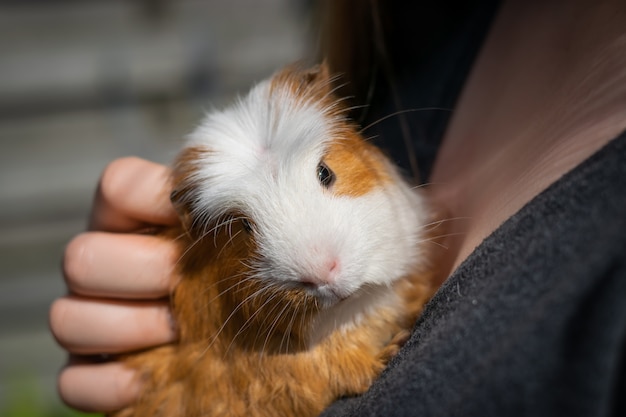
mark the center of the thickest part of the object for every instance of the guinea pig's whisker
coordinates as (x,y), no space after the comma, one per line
(399,112)
(221,222)
(250,319)
(304,319)
(220,281)
(217,224)
(228,242)
(370,138)
(337,87)
(441,245)
(268,314)
(337,100)
(248,265)
(287,332)
(203,223)
(356,107)
(261,332)
(209,287)
(179,237)
(433,239)
(187,250)
(334,105)
(225,323)
(203,235)
(301,309)
(422,185)
(435,224)
(244,327)
(273,295)
(225,291)
(273,327)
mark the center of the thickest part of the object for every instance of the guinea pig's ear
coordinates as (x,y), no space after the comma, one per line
(310,81)
(182,195)
(182,208)
(319,74)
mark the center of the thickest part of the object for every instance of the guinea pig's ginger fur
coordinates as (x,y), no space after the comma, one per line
(243,349)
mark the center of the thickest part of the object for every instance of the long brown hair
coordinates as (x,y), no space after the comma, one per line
(376,45)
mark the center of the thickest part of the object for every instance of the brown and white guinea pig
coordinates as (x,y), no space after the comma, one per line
(303,259)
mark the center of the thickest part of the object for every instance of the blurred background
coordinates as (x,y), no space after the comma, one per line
(82,83)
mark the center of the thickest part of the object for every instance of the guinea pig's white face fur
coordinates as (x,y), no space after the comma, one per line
(327,211)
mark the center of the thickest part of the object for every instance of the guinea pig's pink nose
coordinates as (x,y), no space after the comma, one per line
(325,274)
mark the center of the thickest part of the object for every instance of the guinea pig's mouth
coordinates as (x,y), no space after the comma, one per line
(326,295)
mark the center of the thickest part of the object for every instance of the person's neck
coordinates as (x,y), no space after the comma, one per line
(547,91)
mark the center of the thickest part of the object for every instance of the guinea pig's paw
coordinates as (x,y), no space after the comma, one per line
(394,345)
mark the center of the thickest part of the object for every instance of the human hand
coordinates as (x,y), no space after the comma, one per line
(118,280)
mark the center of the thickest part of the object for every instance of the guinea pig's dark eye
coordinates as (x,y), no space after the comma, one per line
(325,176)
(247,226)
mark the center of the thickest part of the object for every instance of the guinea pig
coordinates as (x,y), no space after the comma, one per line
(302,255)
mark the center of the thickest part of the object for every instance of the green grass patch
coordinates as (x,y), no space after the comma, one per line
(23,398)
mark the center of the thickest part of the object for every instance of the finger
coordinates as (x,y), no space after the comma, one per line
(100,264)
(132,192)
(90,326)
(98,387)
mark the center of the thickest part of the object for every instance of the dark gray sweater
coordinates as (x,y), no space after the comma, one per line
(533,323)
